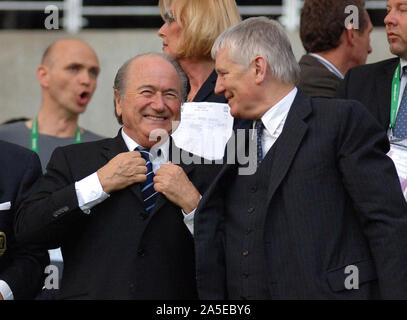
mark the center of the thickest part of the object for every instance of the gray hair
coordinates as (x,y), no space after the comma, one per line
(260,36)
(120,81)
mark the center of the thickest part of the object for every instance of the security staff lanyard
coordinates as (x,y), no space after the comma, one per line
(395,92)
(34,136)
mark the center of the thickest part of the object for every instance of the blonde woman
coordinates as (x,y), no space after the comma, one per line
(190,28)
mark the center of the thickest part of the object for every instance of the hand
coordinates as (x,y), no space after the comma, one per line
(123,170)
(172,181)
(1,296)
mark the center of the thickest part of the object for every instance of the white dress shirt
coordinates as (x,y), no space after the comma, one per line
(5,291)
(273,120)
(90,192)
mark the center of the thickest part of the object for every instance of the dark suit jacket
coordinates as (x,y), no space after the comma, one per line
(316,79)
(118,251)
(22,268)
(333,200)
(371,85)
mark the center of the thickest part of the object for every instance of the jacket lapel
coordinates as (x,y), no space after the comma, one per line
(207,88)
(383,93)
(112,149)
(289,141)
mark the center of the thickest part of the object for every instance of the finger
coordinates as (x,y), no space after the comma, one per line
(139,178)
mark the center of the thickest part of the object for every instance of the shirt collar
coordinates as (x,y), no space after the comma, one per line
(277,113)
(403,64)
(328,65)
(131,145)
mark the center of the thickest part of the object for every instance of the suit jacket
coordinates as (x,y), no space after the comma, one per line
(333,200)
(22,268)
(371,85)
(316,79)
(118,251)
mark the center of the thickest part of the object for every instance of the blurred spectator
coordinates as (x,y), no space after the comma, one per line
(332,47)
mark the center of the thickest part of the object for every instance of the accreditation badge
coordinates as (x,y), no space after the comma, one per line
(3,243)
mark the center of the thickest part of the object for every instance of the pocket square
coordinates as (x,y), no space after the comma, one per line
(5,205)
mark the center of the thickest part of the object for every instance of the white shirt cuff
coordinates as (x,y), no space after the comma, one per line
(6,291)
(189,218)
(90,192)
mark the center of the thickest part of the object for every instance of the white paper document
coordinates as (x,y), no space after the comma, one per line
(398,153)
(205,129)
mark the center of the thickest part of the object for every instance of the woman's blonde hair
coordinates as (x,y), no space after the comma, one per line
(201,21)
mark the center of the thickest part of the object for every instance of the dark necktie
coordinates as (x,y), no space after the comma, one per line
(400,127)
(259,127)
(147,187)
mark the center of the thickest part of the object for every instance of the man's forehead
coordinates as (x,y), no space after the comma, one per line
(154,73)
(69,52)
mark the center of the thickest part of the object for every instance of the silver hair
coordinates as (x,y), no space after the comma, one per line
(260,36)
(120,81)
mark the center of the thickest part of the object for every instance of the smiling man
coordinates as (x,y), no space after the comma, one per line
(117,206)
(381,86)
(324,199)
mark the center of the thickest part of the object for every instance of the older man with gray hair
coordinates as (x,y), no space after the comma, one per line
(315,220)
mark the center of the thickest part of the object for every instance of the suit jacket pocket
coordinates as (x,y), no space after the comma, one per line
(363,271)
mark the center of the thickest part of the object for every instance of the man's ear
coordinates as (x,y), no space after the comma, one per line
(260,67)
(117,102)
(43,76)
(349,35)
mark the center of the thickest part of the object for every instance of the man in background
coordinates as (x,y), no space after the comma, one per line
(68,78)
(381,86)
(332,47)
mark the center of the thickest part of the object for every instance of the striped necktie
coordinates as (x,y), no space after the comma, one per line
(400,127)
(259,127)
(147,187)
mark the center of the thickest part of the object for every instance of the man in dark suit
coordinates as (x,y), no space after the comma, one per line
(332,48)
(118,214)
(372,84)
(21,268)
(323,216)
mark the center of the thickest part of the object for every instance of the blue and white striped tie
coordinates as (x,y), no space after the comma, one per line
(147,187)
(400,127)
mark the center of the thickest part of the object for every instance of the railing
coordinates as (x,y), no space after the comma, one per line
(74,11)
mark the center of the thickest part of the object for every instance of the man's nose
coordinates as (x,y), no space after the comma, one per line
(219,88)
(389,18)
(84,77)
(158,103)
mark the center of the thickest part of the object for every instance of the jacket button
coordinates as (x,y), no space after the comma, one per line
(250,210)
(245,253)
(141,252)
(253,189)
